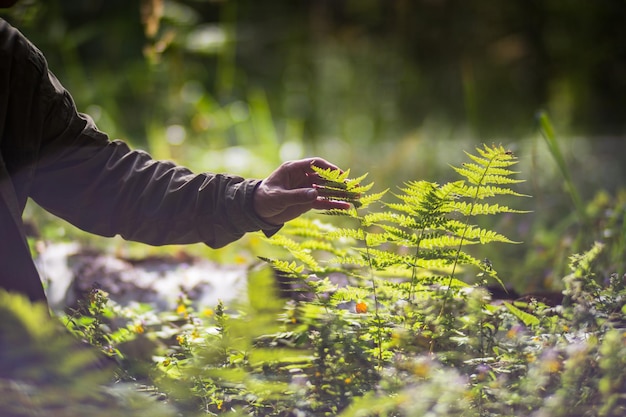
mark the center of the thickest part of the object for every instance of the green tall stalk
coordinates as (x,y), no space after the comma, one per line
(379,342)
(547,131)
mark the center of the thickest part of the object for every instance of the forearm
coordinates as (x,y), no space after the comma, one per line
(118,191)
(105,188)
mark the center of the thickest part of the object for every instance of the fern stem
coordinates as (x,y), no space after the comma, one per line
(414,268)
(461,242)
(379,342)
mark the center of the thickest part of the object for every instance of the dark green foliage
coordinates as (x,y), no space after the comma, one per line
(46,371)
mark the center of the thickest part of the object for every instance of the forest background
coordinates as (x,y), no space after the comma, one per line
(396,88)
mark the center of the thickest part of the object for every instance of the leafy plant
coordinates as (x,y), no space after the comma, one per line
(46,371)
(404,249)
(379,312)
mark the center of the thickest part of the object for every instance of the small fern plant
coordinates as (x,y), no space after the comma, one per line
(392,254)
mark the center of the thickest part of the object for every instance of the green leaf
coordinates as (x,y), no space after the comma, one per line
(526,318)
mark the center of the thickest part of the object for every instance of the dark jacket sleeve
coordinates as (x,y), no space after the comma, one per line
(105,188)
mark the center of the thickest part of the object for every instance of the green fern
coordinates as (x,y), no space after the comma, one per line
(391,251)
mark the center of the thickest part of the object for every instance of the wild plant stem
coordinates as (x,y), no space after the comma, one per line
(414,268)
(379,342)
(465,228)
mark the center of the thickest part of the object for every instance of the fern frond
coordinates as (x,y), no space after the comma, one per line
(402,208)
(355,182)
(376,239)
(493,170)
(329,174)
(499,179)
(349,293)
(338,186)
(443,241)
(351,212)
(308,223)
(350,260)
(487,191)
(303,232)
(399,236)
(485,236)
(394,290)
(471,209)
(396,272)
(419,188)
(422,198)
(290,269)
(429,259)
(368,199)
(442,281)
(495,153)
(381,259)
(360,189)
(297,250)
(317,245)
(382,216)
(480,178)
(342,232)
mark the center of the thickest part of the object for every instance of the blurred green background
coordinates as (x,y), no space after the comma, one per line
(396,88)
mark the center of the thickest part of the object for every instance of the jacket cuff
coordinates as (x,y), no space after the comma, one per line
(252,217)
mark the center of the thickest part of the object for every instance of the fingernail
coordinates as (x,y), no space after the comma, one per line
(311,194)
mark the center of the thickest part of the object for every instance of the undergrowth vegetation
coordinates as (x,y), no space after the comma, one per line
(382,310)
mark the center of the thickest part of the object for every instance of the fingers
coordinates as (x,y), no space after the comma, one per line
(305,164)
(294,188)
(312,198)
(296,197)
(321,163)
(298,173)
(325,204)
(327,190)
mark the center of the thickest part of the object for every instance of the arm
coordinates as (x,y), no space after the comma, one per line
(105,188)
(74,171)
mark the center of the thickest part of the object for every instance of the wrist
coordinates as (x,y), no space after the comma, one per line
(258,202)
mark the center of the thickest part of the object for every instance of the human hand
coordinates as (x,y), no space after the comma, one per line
(291,190)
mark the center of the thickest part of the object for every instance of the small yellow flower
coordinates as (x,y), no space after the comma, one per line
(139,329)
(207,312)
(167,362)
(181,339)
(181,309)
(347,381)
